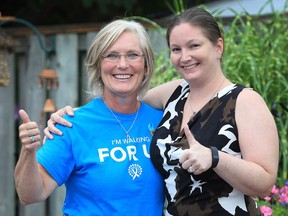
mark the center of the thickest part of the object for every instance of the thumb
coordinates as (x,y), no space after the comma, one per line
(24,116)
(189,135)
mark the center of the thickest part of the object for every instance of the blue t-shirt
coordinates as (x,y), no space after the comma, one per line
(104,172)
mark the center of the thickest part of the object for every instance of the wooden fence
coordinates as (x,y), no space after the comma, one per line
(23,91)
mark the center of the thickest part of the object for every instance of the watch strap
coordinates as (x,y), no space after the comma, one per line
(215,156)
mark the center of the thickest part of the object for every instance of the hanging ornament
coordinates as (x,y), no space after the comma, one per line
(49,107)
(49,78)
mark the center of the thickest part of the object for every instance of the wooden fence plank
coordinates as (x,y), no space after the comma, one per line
(67,69)
(32,99)
(67,93)
(7,146)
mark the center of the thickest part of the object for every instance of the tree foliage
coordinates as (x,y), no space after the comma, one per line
(53,12)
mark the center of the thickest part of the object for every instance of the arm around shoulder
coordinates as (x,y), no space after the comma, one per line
(157,97)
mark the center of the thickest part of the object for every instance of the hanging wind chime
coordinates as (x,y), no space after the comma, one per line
(49,80)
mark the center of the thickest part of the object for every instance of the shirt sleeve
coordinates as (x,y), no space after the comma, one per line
(56,156)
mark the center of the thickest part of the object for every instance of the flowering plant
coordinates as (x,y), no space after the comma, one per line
(276,203)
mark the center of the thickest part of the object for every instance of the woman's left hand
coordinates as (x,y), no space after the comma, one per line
(198,158)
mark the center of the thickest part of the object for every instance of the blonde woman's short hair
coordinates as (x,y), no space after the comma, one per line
(101,43)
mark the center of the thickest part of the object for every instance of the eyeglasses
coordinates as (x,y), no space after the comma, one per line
(129,57)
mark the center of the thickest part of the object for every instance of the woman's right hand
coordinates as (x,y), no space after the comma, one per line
(29,133)
(57,117)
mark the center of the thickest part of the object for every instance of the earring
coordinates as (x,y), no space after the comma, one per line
(219,55)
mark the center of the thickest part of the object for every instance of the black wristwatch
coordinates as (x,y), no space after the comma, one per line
(215,156)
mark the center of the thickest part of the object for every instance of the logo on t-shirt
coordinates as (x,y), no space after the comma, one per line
(134,170)
(151,128)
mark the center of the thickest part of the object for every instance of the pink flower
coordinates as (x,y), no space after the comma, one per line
(283,195)
(267,198)
(266,211)
(275,190)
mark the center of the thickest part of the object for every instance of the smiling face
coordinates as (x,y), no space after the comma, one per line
(123,78)
(192,54)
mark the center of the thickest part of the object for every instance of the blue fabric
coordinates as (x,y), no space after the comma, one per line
(104,172)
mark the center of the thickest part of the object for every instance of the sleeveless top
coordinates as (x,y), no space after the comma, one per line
(214,125)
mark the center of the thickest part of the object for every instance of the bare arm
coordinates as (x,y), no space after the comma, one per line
(256,173)
(33,183)
(157,97)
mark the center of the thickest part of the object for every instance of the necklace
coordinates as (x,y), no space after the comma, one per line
(126,131)
(217,90)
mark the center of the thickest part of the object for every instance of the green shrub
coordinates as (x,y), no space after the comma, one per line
(256,56)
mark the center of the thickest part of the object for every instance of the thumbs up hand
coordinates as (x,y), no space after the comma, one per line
(29,132)
(198,158)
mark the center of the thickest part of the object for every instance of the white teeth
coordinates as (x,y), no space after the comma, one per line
(189,67)
(122,76)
